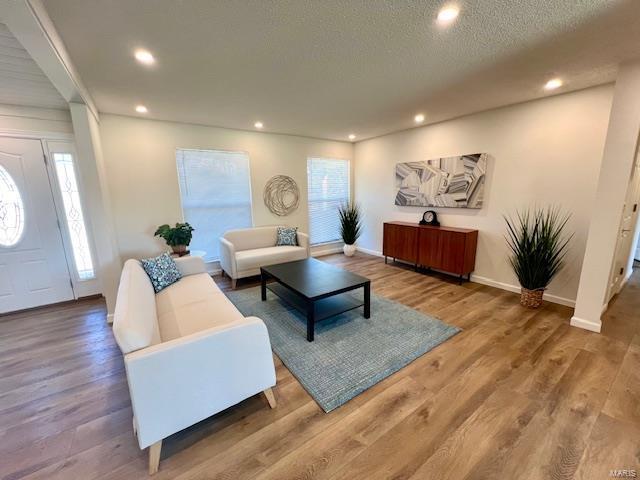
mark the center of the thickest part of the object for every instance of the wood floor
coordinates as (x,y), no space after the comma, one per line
(519,394)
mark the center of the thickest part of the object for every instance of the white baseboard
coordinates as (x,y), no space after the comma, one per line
(370,252)
(625,280)
(214,270)
(110,318)
(516,289)
(586,324)
(493,283)
(328,250)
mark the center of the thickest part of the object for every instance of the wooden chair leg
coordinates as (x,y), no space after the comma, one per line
(271,398)
(234,282)
(154,457)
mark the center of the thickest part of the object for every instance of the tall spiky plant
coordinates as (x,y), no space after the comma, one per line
(538,245)
(350,222)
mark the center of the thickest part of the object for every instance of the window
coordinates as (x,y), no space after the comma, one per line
(215,188)
(11,210)
(328,186)
(73,212)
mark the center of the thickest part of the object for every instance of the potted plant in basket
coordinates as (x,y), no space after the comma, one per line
(538,247)
(178,237)
(350,226)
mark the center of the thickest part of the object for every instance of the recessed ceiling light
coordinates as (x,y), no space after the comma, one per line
(144,56)
(352,137)
(553,84)
(258,125)
(448,14)
(141,109)
(419,118)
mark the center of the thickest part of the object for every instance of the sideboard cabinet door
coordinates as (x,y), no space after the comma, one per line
(453,244)
(400,242)
(430,248)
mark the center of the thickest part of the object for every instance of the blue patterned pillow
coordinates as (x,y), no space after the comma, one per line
(287,236)
(162,271)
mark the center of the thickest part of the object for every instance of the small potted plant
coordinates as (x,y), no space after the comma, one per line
(350,226)
(178,237)
(538,246)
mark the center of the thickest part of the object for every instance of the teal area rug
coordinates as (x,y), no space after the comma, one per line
(350,353)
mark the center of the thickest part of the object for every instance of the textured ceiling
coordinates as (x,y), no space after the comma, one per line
(21,80)
(327,68)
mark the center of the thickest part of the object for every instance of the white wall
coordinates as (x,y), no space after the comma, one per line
(620,149)
(91,167)
(140,163)
(544,152)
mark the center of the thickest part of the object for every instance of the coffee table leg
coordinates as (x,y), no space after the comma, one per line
(263,285)
(367,300)
(311,321)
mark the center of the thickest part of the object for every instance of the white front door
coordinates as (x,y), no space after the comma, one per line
(33,267)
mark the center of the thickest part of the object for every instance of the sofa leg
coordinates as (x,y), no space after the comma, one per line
(271,398)
(154,457)
(234,282)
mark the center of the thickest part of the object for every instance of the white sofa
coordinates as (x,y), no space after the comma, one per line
(244,251)
(188,352)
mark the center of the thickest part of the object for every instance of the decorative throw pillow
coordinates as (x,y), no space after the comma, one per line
(287,236)
(162,271)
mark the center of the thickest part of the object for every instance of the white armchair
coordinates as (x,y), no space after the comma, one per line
(188,352)
(244,251)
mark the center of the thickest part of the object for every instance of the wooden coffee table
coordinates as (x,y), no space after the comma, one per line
(315,288)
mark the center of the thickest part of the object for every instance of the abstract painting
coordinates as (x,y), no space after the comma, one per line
(442,182)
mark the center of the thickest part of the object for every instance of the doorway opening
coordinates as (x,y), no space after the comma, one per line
(627,251)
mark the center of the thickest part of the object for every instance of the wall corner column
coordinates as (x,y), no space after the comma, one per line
(615,171)
(98,202)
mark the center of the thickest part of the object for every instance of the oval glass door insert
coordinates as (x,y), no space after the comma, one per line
(11,210)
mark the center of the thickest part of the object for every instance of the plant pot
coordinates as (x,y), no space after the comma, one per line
(179,249)
(349,250)
(531,298)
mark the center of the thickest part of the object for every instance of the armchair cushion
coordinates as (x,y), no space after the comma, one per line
(251,238)
(261,257)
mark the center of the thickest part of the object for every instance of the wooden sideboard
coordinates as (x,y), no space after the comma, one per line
(449,249)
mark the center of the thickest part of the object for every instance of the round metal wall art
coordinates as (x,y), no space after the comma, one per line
(281,195)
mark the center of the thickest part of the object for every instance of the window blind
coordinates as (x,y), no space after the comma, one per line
(215,188)
(328,188)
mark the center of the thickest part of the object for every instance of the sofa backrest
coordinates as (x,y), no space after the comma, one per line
(250,238)
(135,322)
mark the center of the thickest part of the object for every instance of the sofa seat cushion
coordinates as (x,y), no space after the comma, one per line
(189,289)
(262,257)
(193,304)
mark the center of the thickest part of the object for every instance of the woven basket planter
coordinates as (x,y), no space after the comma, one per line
(531,298)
